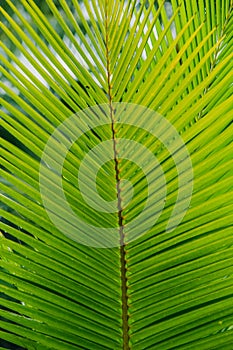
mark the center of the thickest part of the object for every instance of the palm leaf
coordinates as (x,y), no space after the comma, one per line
(146,287)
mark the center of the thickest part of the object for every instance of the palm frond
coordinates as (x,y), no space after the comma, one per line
(165,289)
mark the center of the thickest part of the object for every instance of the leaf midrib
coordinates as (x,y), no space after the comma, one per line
(124,291)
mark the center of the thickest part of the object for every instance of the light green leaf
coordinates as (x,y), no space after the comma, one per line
(88,259)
